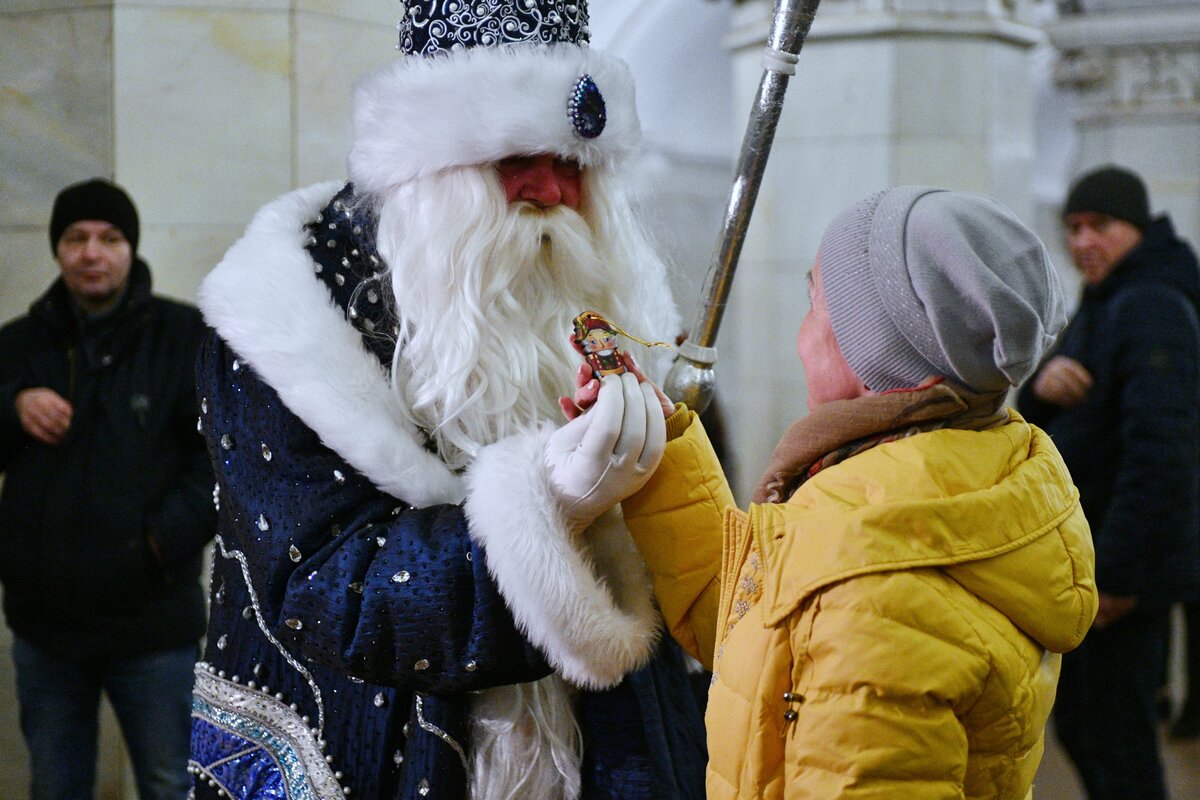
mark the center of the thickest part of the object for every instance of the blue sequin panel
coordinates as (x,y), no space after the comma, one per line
(243,769)
(255,747)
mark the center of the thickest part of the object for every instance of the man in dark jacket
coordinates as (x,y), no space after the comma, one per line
(106,506)
(1121,397)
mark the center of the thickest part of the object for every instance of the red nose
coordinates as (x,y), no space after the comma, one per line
(544,180)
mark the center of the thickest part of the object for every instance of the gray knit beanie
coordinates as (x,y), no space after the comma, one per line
(923,281)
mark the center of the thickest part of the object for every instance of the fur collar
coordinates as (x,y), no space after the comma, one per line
(265,302)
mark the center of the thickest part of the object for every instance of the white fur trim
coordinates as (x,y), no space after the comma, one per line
(266,302)
(584,600)
(422,114)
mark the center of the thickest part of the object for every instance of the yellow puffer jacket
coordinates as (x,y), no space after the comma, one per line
(892,630)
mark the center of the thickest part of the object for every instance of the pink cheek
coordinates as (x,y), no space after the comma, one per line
(570,192)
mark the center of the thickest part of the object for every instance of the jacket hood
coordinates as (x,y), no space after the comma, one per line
(1161,256)
(996,510)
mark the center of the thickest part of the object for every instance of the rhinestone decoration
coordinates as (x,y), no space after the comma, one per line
(586,108)
(423,664)
(338,477)
(471,666)
(398,758)
(294,624)
(294,554)
(429,727)
(423,787)
(223,642)
(434,26)
(380,700)
(236,365)
(402,576)
(381,540)
(262,523)
(203,405)
(226,442)
(356,587)
(266,452)
(248,613)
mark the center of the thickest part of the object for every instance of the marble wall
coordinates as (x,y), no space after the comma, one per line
(202,111)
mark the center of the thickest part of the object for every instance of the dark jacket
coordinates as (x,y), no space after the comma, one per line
(101,536)
(1133,446)
(351,628)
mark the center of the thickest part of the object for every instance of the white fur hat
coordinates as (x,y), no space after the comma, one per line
(496,78)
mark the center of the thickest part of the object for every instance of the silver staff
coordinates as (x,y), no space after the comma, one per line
(691,377)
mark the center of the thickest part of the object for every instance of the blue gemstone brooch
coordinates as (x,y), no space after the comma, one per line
(585,107)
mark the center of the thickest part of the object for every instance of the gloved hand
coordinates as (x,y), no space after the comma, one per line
(601,457)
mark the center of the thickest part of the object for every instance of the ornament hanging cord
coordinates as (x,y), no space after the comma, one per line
(629,335)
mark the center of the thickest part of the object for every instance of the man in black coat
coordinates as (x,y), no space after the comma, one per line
(1121,397)
(106,505)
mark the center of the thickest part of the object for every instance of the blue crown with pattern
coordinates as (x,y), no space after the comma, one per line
(433,26)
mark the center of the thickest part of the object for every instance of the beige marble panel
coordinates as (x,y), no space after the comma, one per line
(940,86)
(240,5)
(26,270)
(331,53)
(55,107)
(841,88)
(203,110)
(53,6)
(181,255)
(949,162)
(380,12)
(806,183)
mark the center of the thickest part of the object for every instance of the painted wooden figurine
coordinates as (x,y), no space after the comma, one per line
(596,338)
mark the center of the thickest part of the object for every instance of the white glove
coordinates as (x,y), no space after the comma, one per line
(606,454)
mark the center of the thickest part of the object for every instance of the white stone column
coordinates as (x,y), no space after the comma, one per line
(887,92)
(1135,77)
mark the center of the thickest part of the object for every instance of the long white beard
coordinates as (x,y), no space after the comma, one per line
(484,296)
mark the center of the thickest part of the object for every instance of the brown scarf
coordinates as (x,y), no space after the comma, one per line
(839,429)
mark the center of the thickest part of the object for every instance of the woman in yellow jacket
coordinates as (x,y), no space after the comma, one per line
(885,621)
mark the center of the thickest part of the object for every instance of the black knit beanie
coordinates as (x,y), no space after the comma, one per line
(1114,191)
(95,199)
